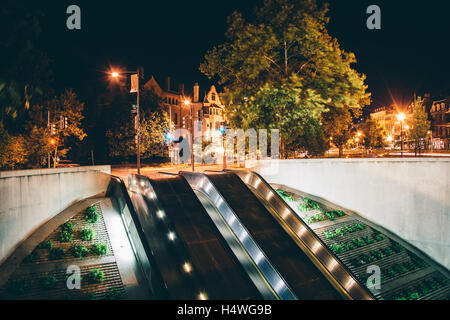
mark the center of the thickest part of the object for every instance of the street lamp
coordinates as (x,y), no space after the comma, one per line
(187,103)
(116,75)
(401,117)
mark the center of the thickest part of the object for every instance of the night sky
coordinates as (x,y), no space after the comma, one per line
(169,38)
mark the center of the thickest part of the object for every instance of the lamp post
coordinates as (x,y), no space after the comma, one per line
(138,74)
(188,103)
(401,117)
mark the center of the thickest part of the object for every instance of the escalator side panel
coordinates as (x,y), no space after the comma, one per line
(293,264)
(222,274)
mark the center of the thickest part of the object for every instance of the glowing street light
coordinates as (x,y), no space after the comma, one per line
(359,134)
(401,116)
(114,74)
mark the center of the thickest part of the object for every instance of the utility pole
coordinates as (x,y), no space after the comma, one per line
(192,138)
(49,134)
(138,125)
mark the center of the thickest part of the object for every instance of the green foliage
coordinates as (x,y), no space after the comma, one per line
(99,249)
(330,215)
(68,226)
(338,124)
(57,253)
(79,251)
(91,214)
(303,207)
(283,68)
(114,294)
(358,243)
(339,231)
(419,125)
(367,240)
(374,135)
(87,234)
(359,226)
(48,282)
(33,256)
(48,244)
(96,276)
(337,249)
(329,235)
(311,203)
(65,236)
(18,286)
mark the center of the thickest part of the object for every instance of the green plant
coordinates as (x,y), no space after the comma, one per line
(99,249)
(318,217)
(48,282)
(65,236)
(87,234)
(114,294)
(57,253)
(68,226)
(96,276)
(396,247)
(303,207)
(356,262)
(410,266)
(376,254)
(310,220)
(329,235)
(79,251)
(358,243)
(350,229)
(311,203)
(378,237)
(339,231)
(359,226)
(330,215)
(441,281)
(399,269)
(387,251)
(18,286)
(33,256)
(390,273)
(45,245)
(367,240)
(336,248)
(91,215)
(367,258)
(346,246)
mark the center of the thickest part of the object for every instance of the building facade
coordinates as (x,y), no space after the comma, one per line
(208,114)
(440,124)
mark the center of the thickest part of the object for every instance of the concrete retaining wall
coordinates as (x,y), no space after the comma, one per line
(410,197)
(28,198)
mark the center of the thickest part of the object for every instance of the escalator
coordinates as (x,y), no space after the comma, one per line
(336,272)
(195,258)
(292,271)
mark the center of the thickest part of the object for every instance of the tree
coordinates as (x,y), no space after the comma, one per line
(337,124)
(419,125)
(282,69)
(154,125)
(374,135)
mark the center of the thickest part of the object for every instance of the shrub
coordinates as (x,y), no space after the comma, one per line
(311,203)
(399,269)
(96,276)
(346,246)
(358,243)
(303,207)
(378,237)
(68,226)
(91,215)
(57,253)
(350,229)
(87,234)
(377,254)
(99,248)
(45,245)
(387,251)
(339,213)
(114,294)
(33,256)
(339,231)
(65,236)
(359,226)
(79,251)
(367,240)
(330,215)
(329,235)
(318,217)
(18,286)
(336,248)
(48,282)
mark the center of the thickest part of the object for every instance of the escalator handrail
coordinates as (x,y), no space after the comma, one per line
(157,279)
(340,276)
(272,276)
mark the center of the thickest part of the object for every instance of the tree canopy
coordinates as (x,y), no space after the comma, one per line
(282,68)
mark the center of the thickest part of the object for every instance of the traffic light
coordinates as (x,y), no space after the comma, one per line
(66,122)
(53,129)
(184,122)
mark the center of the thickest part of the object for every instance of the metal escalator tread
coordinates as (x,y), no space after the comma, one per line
(290,261)
(223,275)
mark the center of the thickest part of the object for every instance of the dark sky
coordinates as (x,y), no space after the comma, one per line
(410,54)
